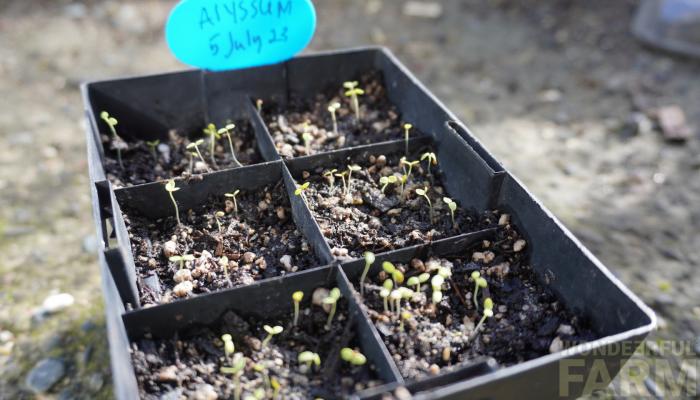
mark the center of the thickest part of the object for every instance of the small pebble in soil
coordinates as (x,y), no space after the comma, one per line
(45,374)
(557,345)
(169,249)
(519,245)
(183,289)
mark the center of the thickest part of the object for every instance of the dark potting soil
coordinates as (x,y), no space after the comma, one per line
(379,120)
(189,365)
(528,320)
(260,241)
(173,157)
(367,219)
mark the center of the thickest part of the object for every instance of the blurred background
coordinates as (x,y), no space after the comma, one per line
(602,129)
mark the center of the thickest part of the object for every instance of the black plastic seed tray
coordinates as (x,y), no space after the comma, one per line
(153,107)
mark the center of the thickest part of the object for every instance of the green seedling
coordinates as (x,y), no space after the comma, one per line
(307,138)
(395,297)
(217,215)
(170,188)
(479,282)
(403,162)
(369,260)
(112,122)
(299,191)
(413,281)
(396,274)
(223,263)
(407,129)
(418,280)
(236,369)
(152,144)
(258,105)
(181,259)
(384,294)
(403,179)
(271,331)
(310,359)
(353,91)
(436,282)
(195,145)
(192,155)
(424,193)
(341,175)
(229,347)
(387,286)
(444,272)
(431,157)
(297,297)
(405,316)
(329,176)
(332,108)
(214,135)
(352,168)
(488,313)
(404,294)
(452,206)
(232,196)
(276,387)
(353,357)
(226,131)
(386,180)
(332,300)
(260,392)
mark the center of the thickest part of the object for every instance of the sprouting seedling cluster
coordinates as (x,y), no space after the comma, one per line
(353,92)
(171,188)
(116,140)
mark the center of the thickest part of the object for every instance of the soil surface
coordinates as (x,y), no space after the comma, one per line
(258,241)
(564,97)
(379,120)
(189,364)
(528,321)
(143,163)
(365,218)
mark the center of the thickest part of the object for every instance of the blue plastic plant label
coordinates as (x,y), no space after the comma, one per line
(229,34)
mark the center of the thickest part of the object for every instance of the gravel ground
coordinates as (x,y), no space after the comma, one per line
(558,90)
